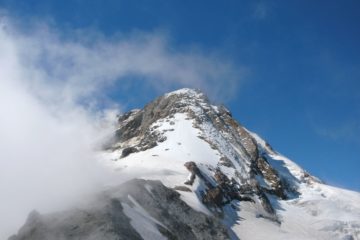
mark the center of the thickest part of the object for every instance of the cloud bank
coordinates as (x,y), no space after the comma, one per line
(51,120)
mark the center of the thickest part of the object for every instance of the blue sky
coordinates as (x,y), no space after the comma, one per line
(292,71)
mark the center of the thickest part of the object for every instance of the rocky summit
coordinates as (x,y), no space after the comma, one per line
(191,171)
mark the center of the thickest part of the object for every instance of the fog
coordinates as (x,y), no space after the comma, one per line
(46,150)
(52,115)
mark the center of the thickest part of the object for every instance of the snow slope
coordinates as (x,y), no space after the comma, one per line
(319,211)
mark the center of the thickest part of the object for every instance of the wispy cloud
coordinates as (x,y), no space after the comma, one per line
(50,86)
(83,62)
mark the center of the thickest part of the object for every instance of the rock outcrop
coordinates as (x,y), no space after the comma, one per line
(109,217)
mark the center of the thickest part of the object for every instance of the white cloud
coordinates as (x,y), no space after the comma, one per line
(81,66)
(50,84)
(46,150)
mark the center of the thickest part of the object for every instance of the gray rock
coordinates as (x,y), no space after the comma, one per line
(104,217)
(127,151)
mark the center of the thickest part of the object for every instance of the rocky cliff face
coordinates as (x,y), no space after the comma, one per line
(116,213)
(207,177)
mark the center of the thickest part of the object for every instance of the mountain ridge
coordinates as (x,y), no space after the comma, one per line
(222,170)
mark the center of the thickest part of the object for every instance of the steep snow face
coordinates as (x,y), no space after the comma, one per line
(182,127)
(165,161)
(319,212)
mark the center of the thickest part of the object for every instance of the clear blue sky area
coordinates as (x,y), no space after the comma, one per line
(302,90)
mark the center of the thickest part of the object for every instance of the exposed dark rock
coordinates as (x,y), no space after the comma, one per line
(265,202)
(166,206)
(214,197)
(127,151)
(226,162)
(272,177)
(191,166)
(193,169)
(129,129)
(107,222)
(223,193)
(195,172)
(221,178)
(230,188)
(105,218)
(309,179)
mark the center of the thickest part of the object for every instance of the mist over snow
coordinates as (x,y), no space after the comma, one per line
(52,112)
(46,146)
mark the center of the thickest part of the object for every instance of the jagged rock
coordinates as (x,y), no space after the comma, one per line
(230,188)
(271,177)
(195,172)
(106,218)
(193,169)
(106,221)
(226,162)
(265,202)
(191,166)
(214,197)
(127,151)
(309,179)
(221,178)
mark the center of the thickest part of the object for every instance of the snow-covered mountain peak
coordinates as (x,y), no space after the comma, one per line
(204,172)
(215,144)
(192,93)
(188,143)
